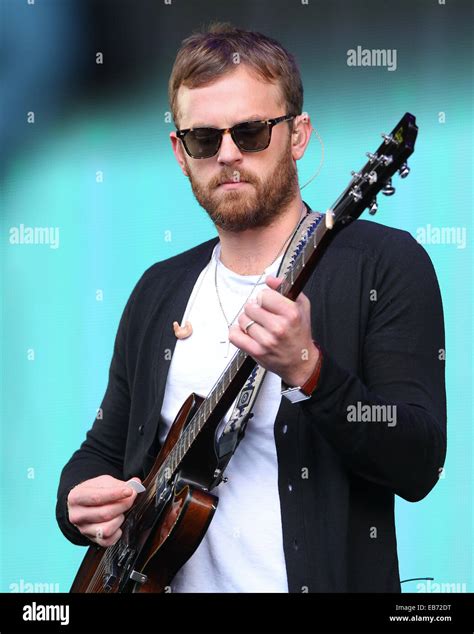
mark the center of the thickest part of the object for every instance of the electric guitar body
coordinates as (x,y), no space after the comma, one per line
(167,538)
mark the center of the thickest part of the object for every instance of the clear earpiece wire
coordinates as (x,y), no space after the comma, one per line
(322,159)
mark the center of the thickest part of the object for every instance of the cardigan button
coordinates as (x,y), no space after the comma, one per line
(290,487)
(141,429)
(284,428)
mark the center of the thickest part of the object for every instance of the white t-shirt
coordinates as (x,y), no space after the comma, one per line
(242,551)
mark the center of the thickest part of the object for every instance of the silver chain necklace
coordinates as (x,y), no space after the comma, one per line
(229,323)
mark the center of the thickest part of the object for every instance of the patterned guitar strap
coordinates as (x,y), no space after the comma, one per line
(235,428)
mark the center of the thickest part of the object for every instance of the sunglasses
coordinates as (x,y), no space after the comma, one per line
(250,136)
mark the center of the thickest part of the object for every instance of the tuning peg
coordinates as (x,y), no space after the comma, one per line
(356,175)
(371,177)
(404,170)
(373,207)
(371,156)
(388,189)
(388,138)
(356,194)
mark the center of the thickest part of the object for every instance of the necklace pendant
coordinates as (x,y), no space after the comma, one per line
(227,341)
(182,332)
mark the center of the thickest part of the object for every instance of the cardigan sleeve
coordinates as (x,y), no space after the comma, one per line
(389,425)
(102,451)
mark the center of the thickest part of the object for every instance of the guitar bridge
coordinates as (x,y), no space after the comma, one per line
(138,577)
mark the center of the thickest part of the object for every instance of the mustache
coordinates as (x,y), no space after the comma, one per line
(235,176)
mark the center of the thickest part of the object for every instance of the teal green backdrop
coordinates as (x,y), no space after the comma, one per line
(103,173)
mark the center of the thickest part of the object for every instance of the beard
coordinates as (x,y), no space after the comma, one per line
(254,206)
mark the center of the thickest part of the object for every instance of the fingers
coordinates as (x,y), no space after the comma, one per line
(80,515)
(273,282)
(272,300)
(245,342)
(98,496)
(106,534)
(105,543)
(268,322)
(274,317)
(257,339)
(97,507)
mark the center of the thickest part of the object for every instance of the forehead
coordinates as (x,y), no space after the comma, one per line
(235,97)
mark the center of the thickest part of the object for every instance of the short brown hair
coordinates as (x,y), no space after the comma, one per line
(205,56)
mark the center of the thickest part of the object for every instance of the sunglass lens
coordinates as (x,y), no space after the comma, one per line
(202,142)
(252,136)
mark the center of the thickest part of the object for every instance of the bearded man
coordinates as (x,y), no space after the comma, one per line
(308,505)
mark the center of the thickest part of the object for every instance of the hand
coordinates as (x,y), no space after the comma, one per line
(280,340)
(97,506)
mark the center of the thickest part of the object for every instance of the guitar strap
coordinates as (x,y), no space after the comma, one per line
(235,428)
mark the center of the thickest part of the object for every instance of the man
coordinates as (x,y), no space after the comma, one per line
(309,502)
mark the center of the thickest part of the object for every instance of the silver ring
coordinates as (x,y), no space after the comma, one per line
(248,326)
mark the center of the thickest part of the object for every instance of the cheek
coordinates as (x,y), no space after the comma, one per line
(204,175)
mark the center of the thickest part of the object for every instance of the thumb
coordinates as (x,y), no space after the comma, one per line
(273,282)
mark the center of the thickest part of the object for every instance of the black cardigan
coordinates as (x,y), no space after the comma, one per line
(377,314)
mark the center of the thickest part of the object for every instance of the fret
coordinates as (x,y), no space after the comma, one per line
(201,421)
(189,432)
(182,440)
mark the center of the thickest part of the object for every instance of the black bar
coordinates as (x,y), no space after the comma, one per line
(295,613)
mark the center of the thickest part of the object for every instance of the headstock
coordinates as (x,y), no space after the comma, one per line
(376,175)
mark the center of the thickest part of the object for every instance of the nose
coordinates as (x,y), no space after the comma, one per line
(228,152)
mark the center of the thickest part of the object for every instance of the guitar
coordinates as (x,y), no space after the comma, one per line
(170,518)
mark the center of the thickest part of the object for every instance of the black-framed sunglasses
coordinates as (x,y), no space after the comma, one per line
(249,136)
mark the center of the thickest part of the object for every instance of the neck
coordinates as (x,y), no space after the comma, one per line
(251,251)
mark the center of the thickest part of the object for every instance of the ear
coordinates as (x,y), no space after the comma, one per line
(301,135)
(178,151)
